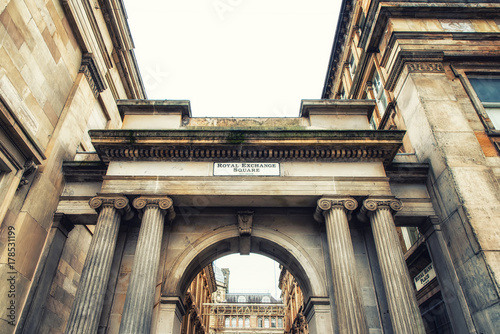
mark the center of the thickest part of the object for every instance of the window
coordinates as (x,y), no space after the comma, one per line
(378,91)
(227,322)
(373,123)
(240,322)
(434,315)
(352,65)
(266,299)
(280,322)
(273,322)
(259,322)
(342,93)
(488,91)
(247,322)
(410,236)
(233,322)
(266,323)
(242,299)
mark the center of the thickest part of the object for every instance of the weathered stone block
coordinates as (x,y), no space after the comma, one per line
(461,247)
(433,87)
(447,196)
(478,287)
(446,116)
(122,283)
(487,320)
(455,153)
(30,238)
(118,303)
(114,324)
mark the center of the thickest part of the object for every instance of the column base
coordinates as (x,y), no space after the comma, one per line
(170,317)
(318,313)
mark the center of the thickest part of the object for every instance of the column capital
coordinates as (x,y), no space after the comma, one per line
(346,203)
(374,203)
(119,202)
(166,204)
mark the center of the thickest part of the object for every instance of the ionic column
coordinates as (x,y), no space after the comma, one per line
(350,311)
(89,299)
(403,308)
(139,302)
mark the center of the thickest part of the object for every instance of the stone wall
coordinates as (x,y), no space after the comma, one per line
(464,188)
(63,288)
(54,87)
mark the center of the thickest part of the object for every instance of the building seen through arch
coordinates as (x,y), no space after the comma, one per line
(241,311)
(293,299)
(381,198)
(200,292)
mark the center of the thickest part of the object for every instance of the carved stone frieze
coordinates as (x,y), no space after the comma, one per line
(424,67)
(348,204)
(165,204)
(429,62)
(250,145)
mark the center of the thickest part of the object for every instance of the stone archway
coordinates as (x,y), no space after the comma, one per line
(272,244)
(349,258)
(281,246)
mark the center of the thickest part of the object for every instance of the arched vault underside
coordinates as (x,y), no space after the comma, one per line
(209,242)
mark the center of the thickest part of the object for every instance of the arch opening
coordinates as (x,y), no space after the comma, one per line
(249,293)
(292,258)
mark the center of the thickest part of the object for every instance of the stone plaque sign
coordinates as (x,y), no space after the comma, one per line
(246,168)
(424,277)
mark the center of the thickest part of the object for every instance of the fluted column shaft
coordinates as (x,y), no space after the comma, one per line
(403,307)
(350,312)
(87,307)
(139,302)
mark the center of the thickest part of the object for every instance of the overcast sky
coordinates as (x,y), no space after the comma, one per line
(251,273)
(237,58)
(241,58)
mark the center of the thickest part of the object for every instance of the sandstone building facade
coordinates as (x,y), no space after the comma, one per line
(243,313)
(293,298)
(199,293)
(63,65)
(112,204)
(433,70)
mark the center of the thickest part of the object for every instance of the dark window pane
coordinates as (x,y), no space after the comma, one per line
(487,89)
(435,317)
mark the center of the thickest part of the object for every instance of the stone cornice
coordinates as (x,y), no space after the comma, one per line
(381,10)
(116,20)
(247,145)
(337,107)
(340,35)
(407,172)
(154,107)
(376,21)
(84,171)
